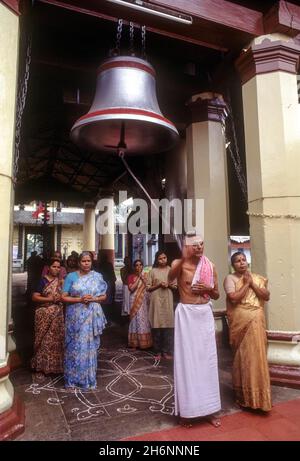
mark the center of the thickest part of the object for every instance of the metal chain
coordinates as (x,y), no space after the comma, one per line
(234,153)
(131,41)
(143,31)
(240,174)
(271,216)
(21,101)
(235,156)
(119,36)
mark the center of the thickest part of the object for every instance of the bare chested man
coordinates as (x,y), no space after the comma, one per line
(196,381)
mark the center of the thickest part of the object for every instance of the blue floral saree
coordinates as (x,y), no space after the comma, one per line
(84,324)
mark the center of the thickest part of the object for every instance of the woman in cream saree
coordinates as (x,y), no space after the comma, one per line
(246,295)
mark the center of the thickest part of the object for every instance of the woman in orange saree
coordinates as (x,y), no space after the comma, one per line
(139,333)
(246,295)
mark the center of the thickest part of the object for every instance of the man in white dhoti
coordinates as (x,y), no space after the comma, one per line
(196,381)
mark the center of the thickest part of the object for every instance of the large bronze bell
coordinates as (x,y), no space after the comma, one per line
(125,114)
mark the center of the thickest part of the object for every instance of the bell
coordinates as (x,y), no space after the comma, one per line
(125,114)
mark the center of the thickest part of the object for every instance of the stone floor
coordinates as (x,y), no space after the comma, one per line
(134,392)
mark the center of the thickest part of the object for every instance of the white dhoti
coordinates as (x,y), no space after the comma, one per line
(196,380)
(125,301)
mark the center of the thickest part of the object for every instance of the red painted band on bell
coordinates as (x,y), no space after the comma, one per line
(130,64)
(125,111)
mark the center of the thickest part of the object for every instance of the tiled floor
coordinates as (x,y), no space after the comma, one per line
(135,397)
(282,424)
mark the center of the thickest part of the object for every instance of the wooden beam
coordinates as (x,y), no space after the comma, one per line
(92,177)
(13,5)
(219,12)
(284,17)
(217,24)
(155,30)
(57,170)
(185,38)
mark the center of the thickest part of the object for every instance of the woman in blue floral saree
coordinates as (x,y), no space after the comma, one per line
(83,292)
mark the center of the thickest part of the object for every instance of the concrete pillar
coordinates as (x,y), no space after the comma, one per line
(11,410)
(149,250)
(129,247)
(58,237)
(20,241)
(175,188)
(123,246)
(89,227)
(107,240)
(207,177)
(272,119)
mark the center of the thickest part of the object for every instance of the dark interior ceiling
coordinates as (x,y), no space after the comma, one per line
(67,48)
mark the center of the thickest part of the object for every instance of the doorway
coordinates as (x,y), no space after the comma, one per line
(39,239)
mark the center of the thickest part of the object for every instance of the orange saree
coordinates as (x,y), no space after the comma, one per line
(247,329)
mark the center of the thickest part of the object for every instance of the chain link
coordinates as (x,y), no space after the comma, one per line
(119,36)
(131,40)
(234,153)
(271,216)
(21,101)
(143,31)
